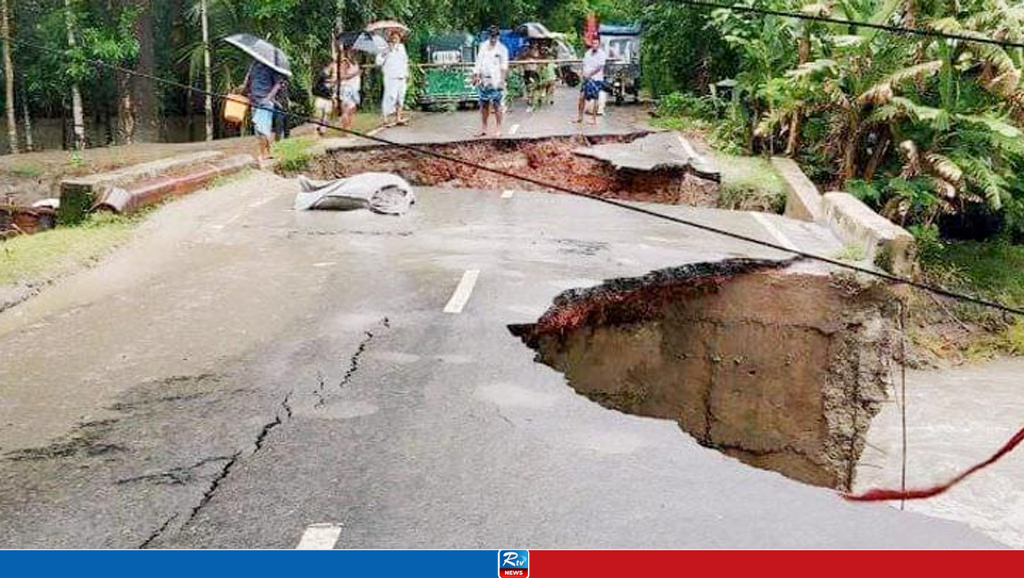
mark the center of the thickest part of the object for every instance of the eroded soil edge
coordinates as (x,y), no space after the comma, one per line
(779,364)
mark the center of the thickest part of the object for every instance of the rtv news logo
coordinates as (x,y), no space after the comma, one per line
(513,563)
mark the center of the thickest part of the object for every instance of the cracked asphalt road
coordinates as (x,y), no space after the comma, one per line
(241,372)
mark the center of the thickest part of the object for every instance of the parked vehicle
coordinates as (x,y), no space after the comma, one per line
(447,73)
(622,74)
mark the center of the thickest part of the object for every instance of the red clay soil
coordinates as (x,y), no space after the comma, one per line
(546,160)
(635,300)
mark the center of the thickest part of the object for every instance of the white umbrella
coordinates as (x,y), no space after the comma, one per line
(262,51)
(387,25)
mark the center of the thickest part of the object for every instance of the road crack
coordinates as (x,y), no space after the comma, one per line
(281,417)
(175,476)
(158,532)
(353,365)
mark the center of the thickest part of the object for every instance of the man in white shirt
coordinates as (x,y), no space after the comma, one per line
(593,78)
(490,71)
(394,63)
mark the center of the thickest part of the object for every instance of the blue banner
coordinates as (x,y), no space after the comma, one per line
(249,564)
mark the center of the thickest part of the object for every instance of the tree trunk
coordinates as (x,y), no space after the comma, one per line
(77,113)
(144,90)
(12,118)
(877,155)
(206,68)
(849,169)
(125,109)
(803,56)
(29,144)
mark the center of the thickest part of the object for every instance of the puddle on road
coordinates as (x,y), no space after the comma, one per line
(780,366)
(549,160)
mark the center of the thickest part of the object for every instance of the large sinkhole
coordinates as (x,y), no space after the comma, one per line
(555,160)
(779,364)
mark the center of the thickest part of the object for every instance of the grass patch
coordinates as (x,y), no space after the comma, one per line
(293,154)
(852,253)
(750,184)
(224,180)
(46,255)
(28,171)
(994,269)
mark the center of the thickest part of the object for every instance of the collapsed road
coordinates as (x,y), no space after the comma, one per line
(243,371)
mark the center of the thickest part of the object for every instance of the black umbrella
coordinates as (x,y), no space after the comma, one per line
(262,51)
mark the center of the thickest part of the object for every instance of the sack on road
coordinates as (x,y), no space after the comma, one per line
(383,193)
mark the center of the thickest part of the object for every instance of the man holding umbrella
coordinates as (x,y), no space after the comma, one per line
(263,82)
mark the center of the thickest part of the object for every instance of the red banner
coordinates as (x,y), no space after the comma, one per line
(773,564)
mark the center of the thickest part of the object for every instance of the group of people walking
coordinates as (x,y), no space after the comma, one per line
(490,76)
(338,88)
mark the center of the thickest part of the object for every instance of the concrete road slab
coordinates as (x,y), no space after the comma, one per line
(242,371)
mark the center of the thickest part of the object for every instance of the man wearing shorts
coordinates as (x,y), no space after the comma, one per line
(489,73)
(262,84)
(593,78)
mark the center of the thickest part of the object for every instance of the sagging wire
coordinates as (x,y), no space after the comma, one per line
(979,39)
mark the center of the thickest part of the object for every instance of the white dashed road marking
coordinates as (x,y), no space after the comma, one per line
(462,292)
(320,537)
(261,203)
(774,231)
(689,149)
(514,129)
(324,264)
(507,194)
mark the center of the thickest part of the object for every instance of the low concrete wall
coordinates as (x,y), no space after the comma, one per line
(888,246)
(803,201)
(78,195)
(152,191)
(885,244)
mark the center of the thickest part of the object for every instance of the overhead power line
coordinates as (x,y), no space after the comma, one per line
(556,187)
(876,26)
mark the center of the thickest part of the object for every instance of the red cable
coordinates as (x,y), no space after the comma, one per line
(879,495)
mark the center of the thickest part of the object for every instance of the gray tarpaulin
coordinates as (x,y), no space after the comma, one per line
(380,192)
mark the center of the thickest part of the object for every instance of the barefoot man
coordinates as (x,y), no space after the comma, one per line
(262,84)
(489,73)
(593,78)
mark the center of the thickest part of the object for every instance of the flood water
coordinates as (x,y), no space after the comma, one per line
(47,133)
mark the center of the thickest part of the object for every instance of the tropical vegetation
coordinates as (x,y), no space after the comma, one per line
(924,128)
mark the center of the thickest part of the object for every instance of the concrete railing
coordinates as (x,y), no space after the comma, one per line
(888,246)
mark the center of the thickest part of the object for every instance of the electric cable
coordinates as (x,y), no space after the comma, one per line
(829,20)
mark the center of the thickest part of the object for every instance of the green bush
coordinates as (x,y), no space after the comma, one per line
(678,104)
(929,243)
(293,154)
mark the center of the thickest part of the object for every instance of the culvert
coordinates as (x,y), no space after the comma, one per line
(550,160)
(779,364)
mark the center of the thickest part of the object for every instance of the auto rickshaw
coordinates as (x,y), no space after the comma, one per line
(622,73)
(447,71)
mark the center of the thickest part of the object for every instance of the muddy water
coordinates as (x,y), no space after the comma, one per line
(549,160)
(955,418)
(780,367)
